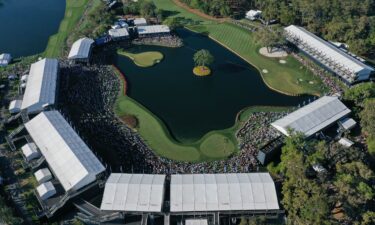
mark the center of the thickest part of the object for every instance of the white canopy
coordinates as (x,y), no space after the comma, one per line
(15,106)
(348,123)
(41,85)
(46,190)
(30,151)
(140,22)
(222,192)
(81,49)
(5,59)
(196,222)
(43,175)
(133,193)
(72,162)
(313,117)
(118,33)
(153,29)
(356,68)
(346,142)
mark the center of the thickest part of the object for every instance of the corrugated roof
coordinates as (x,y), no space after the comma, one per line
(153,29)
(81,48)
(222,192)
(41,84)
(118,33)
(330,51)
(133,193)
(313,117)
(73,163)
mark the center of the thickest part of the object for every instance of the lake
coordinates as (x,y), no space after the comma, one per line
(191,106)
(27,24)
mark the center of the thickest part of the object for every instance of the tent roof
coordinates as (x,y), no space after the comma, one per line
(328,49)
(133,192)
(81,48)
(196,222)
(41,84)
(29,149)
(40,174)
(313,117)
(153,29)
(15,104)
(222,192)
(116,33)
(67,155)
(45,188)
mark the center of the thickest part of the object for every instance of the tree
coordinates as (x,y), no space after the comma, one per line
(360,92)
(147,8)
(270,37)
(203,58)
(367,116)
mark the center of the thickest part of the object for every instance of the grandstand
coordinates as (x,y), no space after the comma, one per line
(313,117)
(348,68)
(40,89)
(81,50)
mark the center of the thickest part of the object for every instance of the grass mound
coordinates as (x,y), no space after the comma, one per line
(201,71)
(144,59)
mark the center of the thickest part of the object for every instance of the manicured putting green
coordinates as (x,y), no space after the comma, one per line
(217,146)
(143,59)
(201,71)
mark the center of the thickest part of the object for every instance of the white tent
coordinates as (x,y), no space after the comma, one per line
(46,190)
(313,117)
(118,34)
(30,151)
(196,222)
(43,175)
(153,29)
(347,67)
(41,85)
(133,193)
(24,78)
(5,59)
(222,192)
(348,123)
(140,22)
(346,142)
(81,49)
(15,106)
(253,14)
(69,158)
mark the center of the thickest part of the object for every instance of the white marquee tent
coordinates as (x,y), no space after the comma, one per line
(313,117)
(196,222)
(43,175)
(30,151)
(222,192)
(69,158)
(344,65)
(153,29)
(134,193)
(41,85)
(15,106)
(46,190)
(81,49)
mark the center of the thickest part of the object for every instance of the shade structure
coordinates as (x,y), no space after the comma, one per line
(30,151)
(196,222)
(153,29)
(222,192)
(348,123)
(69,158)
(347,67)
(346,142)
(313,117)
(119,34)
(133,193)
(140,22)
(46,190)
(41,85)
(15,106)
(43,175)
(81,49)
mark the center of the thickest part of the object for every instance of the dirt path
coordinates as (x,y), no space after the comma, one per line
(197,12)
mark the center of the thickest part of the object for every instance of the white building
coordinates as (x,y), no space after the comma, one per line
(313,117)
(43,175)
(140,22)
(5,59)
(119,34)
(222,192)
(348,123)
(30,151)
(81,49)
(346,142)
(15,106)
(152,30)
(133,193)
(40,89)
(24,78)
(196,222)
(68,157)
(253,14)
(46,190)
(348,68)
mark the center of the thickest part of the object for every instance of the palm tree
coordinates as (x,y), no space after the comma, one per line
(203,58)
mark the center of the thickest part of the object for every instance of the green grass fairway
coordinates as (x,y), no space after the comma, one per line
(144,59)
(217,146)
(280,77)
(73,12)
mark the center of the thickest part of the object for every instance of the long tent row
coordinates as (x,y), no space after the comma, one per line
(347,67)
(190,193)
(41,86)
(313,117)
(68,157)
